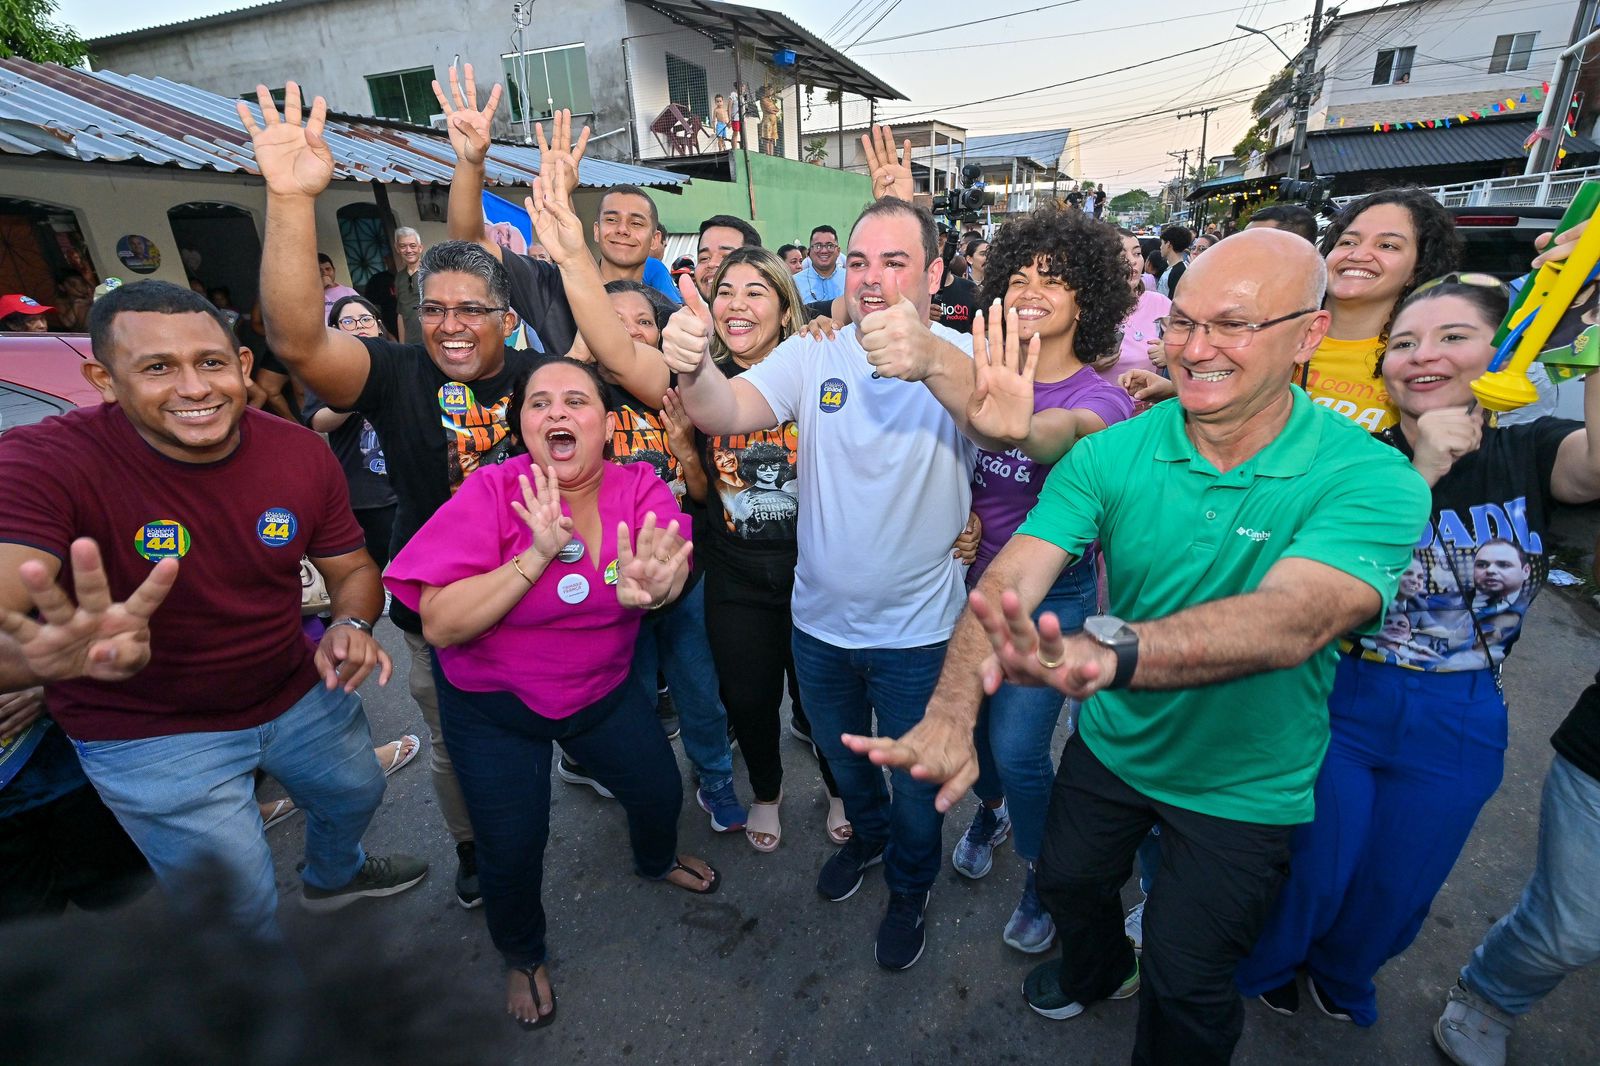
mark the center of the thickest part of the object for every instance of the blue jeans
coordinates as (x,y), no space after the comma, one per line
(189,801)
(1555,927)
(842,689)
(502,751)
(1016,725)
(676,644)
(1412,759)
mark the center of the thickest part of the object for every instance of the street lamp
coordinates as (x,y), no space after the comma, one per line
(1251,29)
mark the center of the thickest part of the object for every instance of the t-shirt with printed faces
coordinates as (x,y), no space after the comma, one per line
(635,433)
(752,508)
(1482,558)
(355,444)
(1343,377)
(884,491)
(227,648)
(435,431)
(1005,485)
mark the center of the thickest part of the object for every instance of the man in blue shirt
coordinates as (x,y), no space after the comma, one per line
(624,232)
(822,279)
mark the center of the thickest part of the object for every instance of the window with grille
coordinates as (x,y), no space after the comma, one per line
(688,87)
(1393,66)
(406,95)
(550,79)
(1512,51)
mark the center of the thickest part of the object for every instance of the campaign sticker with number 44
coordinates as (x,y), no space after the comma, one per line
(277,527)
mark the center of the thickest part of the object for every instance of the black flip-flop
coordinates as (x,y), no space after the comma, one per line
(539,1020)
(716,879)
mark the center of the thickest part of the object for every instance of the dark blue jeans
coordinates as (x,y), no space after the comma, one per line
(501,751)
(842,689)
(675,642)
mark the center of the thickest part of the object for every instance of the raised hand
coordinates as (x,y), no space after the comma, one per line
(897,341)
(348,655)
(645,578)
(1146,386)
(680,430)
(891,172)
(686,342)
(94,637)
(470,128)
(1001,406)
(1023,652)
(935,749)
(561,147)
(19,710)
(294,160)
(1444,435)
(554,223)
(551,529)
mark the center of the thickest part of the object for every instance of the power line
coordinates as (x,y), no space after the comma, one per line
(887,12)
(966,25)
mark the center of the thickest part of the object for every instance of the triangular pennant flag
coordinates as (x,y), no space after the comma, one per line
(1523,99)
(1376,126)
(1446,123)
(1511,105)
(1561,153)
(1545,86)
(1497,108)
(1429,123)
(1461,118)
(1341,123)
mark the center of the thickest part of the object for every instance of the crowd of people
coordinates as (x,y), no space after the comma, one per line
(615,505)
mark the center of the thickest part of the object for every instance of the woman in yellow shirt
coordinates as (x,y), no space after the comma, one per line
(1377,251)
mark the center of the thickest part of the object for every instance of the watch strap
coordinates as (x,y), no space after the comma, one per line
(1127,661)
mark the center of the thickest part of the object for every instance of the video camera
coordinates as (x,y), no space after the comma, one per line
(1313,194)
(963,204)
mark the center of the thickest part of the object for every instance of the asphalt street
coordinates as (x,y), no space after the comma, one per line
(767,971)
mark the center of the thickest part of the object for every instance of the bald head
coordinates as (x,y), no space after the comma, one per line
(1280,267)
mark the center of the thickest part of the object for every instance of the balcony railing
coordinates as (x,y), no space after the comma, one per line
(1555,189)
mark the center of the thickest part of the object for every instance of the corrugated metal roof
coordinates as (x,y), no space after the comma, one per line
(1045,147)
(1486,141)
(127,118)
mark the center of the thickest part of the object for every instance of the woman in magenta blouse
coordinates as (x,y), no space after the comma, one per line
(531,582)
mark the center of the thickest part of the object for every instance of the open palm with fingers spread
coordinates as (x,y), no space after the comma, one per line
(551,529)
(469,126)
(646,573)
(293,159)
(1001,406)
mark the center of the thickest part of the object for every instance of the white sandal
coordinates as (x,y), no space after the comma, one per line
(763,822)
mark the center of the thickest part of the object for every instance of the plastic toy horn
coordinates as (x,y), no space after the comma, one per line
(1539,308)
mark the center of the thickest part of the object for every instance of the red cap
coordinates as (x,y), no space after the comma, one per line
(17,304)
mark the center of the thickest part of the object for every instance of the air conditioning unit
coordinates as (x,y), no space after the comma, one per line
(439,122)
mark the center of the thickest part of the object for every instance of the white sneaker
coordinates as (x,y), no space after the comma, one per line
(1472,1031)
(1133,925)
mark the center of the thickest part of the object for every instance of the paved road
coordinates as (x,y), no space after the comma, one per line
(766,971)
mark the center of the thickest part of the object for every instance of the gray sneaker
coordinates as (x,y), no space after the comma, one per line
(378,876)
(1472,1031)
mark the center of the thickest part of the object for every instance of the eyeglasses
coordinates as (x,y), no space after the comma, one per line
(349,322)
(1464,277)
(1175,330)
(824,246)
(467,314)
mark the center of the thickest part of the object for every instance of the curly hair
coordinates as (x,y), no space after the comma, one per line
(762,453)
(1085,254)
(1438,244)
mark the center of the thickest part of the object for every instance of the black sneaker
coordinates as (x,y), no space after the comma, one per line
(804,737)
(573,774)
(1325,1003)
(467,893)
(667,713)
(1285,999)
(842,874)
(378,876)
(902,934)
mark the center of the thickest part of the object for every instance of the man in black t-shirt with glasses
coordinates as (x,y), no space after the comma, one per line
(439,406)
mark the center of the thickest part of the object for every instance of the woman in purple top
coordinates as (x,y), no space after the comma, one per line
(1065,277)
(531,586)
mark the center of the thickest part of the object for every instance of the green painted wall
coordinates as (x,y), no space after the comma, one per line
(791,198)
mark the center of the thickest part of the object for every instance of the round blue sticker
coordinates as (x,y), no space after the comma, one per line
(277,527)
(834,393)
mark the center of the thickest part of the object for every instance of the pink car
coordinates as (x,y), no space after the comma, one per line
(41,375)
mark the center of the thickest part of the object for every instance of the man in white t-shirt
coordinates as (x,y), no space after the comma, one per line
(884,491)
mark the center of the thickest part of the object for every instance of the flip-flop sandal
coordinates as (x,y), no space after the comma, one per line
(764,821)
(716,879)
(281,810)
(401,756)
(839,828)
(539,1020)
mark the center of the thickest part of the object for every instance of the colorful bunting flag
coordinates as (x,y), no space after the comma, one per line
(1498,107)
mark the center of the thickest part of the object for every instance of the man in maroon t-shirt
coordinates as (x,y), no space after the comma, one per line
(180,515)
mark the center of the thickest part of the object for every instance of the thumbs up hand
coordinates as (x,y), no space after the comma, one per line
(897,340)
(686,341)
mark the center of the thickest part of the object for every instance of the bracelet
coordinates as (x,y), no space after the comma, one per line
(516,563)
(662,602)
(354,623)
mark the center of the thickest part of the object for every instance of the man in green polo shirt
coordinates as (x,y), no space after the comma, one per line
(1244,529)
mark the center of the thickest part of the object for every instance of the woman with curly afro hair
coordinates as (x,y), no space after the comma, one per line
(1378,250)
(1059,279)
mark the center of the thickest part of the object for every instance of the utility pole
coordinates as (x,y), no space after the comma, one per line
(1546,146)
(1302,96)
(1205,122)
(1183,179)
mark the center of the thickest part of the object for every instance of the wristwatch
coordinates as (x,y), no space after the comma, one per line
(354,623)
(1109,631)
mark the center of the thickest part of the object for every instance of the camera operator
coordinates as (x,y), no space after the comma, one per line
(957,297)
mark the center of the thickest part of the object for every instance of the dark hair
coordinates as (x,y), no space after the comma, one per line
(972,246)
(1438,244)
(750,234)
(890,205)
(1292,217)
(661,227)
(1086,255)
(337,311)
(1522,556)
(783,253)
(829,230)
(632,190)
(659,304)
(466,257)
(764,452)
(1490,301)
(324,257)
(519,394)
(158,297)
(12,323)
(1179,237)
